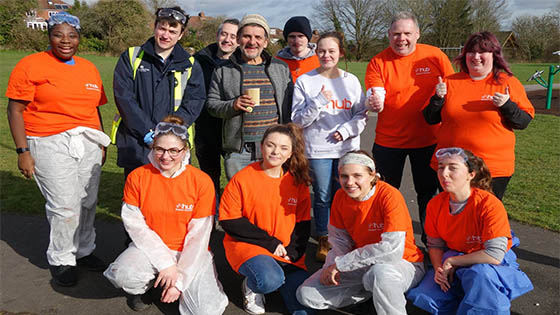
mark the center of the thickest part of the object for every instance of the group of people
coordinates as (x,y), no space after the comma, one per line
(300,128)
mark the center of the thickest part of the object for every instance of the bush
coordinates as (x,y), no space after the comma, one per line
(92,44)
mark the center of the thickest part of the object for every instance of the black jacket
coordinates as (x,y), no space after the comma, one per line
(145,101)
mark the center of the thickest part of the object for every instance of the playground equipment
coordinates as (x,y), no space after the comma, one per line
(537,76)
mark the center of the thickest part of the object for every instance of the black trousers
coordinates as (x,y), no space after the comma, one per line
(390,165)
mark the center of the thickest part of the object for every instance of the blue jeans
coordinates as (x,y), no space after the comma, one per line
(265,275)
(235,161)
(325,185)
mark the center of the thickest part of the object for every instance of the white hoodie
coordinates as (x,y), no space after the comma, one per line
(346,113)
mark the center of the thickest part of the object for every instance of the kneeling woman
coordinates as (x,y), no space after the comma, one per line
(469,242)
(168,212)
(373,251)
(265,212)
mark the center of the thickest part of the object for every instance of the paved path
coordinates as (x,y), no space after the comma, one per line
(26,286)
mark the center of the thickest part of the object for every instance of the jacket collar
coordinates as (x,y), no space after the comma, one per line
(178,54)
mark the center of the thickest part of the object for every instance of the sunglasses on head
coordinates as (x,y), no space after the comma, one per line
(177,15)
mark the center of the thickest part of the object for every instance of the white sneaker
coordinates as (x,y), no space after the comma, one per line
(253,303)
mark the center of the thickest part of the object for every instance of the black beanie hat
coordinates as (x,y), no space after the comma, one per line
(298,24)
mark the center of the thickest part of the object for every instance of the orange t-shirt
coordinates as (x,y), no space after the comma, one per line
(299,67)
(274,205)
(365,221)
(61,96)
(483,218)
(470,120)
(169,204)
(409,82)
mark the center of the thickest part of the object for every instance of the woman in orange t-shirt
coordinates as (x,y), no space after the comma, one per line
(53,112)
(265,212)
(483,104)
(168,211)
(469,243)
(373,250)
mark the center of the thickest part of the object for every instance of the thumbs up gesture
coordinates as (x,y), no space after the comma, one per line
(500,99)
(441,88)
(326,93)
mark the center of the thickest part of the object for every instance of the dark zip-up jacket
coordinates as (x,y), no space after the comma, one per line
(146,100)
(227,84)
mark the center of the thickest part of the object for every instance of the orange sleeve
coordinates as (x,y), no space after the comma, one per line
(373,75)
(336,210)
(494,219)
(303,211)
(131,193)
(231,203)
(432,211)
(206,203)
(20,86)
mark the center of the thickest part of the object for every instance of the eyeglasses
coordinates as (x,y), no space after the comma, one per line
(447,152)
(63,17)
(178,130)
(168,12)
(173,152)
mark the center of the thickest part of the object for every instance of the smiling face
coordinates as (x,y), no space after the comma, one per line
(164,146)
(328,51)
(403,36)
(276,150)
(166,36)
(479,63)
(227,38)
(64,41)
(454,176)
(356,180)
(252,41)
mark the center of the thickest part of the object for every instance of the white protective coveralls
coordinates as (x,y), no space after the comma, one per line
(136,268)
(67,171)
(375,270)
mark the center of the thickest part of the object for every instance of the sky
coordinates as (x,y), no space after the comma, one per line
(277,12)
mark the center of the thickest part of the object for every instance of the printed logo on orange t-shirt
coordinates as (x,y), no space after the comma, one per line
(474,239)
(376,226)
(423,70)
(184,207)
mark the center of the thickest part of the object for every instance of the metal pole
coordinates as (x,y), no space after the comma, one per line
(550,83)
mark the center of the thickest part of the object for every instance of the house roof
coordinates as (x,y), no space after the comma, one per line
(46,6)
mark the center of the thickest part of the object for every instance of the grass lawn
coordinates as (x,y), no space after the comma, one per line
(532,195)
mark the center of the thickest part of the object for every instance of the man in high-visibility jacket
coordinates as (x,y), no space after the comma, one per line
(145,91)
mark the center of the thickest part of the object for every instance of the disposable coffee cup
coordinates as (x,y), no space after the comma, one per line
(255,94)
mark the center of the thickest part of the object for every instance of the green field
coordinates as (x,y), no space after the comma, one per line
(532,195)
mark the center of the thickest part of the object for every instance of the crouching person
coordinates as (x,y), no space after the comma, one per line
(168,212)
(373,251)
(469,243)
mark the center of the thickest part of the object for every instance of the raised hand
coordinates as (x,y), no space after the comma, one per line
(500,99)
(441,88)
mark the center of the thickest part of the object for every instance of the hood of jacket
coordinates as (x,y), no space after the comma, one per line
(286,53)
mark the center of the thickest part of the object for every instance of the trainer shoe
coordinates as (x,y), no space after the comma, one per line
(322,248)
(253,303)
(91,262)
(64,275)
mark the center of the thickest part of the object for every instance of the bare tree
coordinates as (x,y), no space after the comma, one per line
(423,10)
(487,15)
(538,36)
(362,21)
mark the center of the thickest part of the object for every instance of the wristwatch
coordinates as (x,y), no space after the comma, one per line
(21,150)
